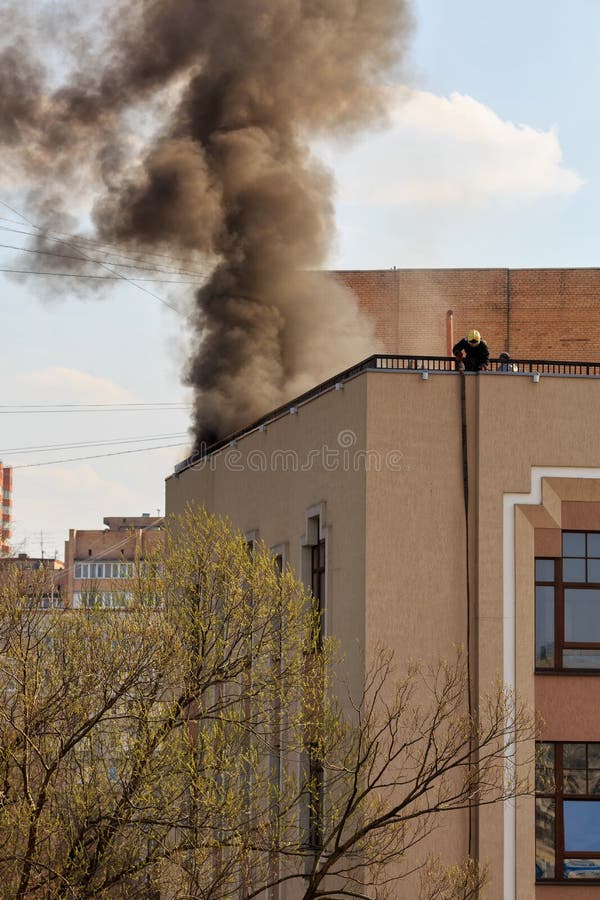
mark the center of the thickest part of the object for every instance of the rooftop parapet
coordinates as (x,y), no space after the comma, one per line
(423,365)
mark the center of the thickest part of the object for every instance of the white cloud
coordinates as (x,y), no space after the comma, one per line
(58,384)
(442,151)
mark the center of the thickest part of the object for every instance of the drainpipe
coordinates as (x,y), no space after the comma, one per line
(508,310)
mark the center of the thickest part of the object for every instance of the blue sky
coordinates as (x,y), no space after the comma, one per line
(534,64)
(490,159)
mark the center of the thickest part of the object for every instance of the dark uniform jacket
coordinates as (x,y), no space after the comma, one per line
(477,356)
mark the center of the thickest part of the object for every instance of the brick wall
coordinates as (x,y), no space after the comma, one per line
(531,313)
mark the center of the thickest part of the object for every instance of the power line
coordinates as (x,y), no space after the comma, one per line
(36,412)
(48,410)
(123,277)
(55,462)
(74,238)
(121,265)
(115,277)
(52,448)
(152,403)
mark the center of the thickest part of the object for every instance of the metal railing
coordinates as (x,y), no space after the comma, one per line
(399,363)
(448,364)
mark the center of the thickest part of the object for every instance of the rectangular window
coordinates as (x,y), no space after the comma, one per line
(51,601)
(106,569)
(316,783)
(102,599)
(567,805)
(567,605)
(318,582)
(316,798)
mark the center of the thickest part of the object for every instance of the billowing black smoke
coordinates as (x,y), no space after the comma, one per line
(229,175)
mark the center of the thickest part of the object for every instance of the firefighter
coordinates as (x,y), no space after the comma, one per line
(506,365)
(471,353)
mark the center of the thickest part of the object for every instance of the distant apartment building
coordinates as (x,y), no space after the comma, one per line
(26,563)
(100,565)
(5,529)
(48,580)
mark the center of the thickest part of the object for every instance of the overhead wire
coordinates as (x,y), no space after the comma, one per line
(121,265)
(46,409)
(115,277)
(150,403)
(113,442)
(81,239)
(55,462)
(103,265)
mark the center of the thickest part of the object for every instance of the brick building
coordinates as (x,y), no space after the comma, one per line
(5,528)
(100,565)
(49,576)
(529,313)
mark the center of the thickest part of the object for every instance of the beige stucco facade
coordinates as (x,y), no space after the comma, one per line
(380,460)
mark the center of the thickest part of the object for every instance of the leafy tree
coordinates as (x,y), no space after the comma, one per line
(188,746)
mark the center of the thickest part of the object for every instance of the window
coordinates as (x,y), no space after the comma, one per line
(316,798)
(110,569)
(103,599)
(316,784)
(567,809)
(317,568)
(567,605)
(51,601)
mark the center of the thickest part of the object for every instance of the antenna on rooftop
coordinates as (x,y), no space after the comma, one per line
(42,543)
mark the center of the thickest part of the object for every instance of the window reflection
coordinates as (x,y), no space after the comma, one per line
(582,825)
(567,787)
(567,605)
(581,659)
(544,570)
(573,543)
(544,768)
(581,868)
(574,569)
(574,756)
(582,615)
(544,627)
(544,838)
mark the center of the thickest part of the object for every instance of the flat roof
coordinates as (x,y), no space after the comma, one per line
(400,364)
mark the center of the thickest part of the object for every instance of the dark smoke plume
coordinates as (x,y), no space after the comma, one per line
(228,174)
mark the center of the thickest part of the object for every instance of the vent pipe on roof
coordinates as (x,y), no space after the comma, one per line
(449,332)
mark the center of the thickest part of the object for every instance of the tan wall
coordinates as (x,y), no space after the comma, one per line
(531,313)
(396,568)
(415,542)
(274,503)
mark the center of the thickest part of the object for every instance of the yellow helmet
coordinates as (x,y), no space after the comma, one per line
(473,337)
